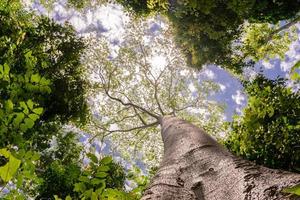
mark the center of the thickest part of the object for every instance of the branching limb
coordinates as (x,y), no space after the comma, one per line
(131,104)
(156,99)
(122,130)
(139,116)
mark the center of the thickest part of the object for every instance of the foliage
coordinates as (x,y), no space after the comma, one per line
(8,170)
(41,87)
(208,30)
(268,130)
(100,179)
(97,178)
(261,42)
(293,190)
(43,59)
(295,73)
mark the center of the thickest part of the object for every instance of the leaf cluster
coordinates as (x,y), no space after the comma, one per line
(268,130)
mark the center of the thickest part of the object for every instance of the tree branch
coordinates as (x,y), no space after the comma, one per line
(157,101)
(139,116)
(131,104)
(284,27)
(123,130)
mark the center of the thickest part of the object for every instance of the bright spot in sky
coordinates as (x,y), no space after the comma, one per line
(239,97)
(222,87)
(158,63)
(267,64)
(208,73)
(192,87)
(77,22)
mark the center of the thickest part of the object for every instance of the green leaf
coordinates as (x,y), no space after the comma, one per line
(29,123)
(293,190)
(44,81)
(94,196)
(271,112)
(103,168)
(9,106)
(88,193)
(6,69)
(23,127)
(68,197)
(84,179)
(295,76)
(96,181)
(18,119)
(92,157)
(38,111)
(79,187)
(35,78)
(57,198)
(30,104)
(34,117)
(8,171)
(101,174)
(101,188)
(106,160)
(36,156)
(24,106)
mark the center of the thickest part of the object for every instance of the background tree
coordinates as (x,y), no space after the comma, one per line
(268,130)
(208,31)
(42,88)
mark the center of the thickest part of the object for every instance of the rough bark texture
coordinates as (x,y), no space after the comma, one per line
(195,166)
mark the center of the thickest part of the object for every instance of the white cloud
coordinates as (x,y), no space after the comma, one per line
(267,64)
(239,97)
(285,66)
(222,87)
(209,74)
(192,88)
(77,22)
(238,110)
(184,72)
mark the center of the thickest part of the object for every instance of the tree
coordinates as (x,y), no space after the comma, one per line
(195,166)
(148,78)
(268,130)
(136,95)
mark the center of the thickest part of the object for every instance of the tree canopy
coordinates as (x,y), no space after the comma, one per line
(148,79)
(268,130)
(208,31)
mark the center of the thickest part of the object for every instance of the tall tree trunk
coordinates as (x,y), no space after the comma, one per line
(195,166)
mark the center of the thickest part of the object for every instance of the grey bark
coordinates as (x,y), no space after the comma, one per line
(195,166)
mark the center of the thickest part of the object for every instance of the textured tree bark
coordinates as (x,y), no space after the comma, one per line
(195,166)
